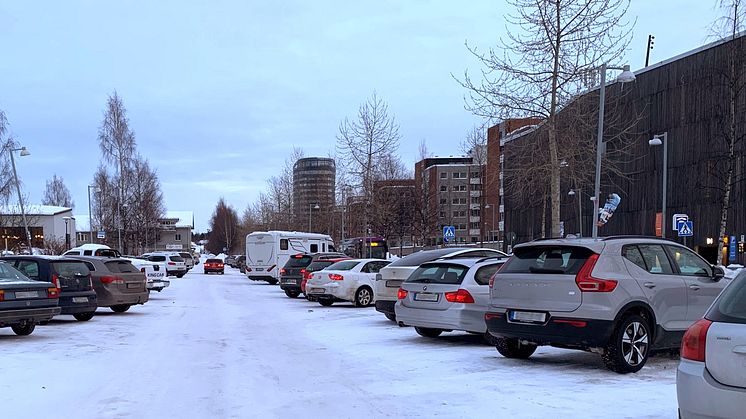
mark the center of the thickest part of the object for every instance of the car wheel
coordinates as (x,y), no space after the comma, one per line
(221,272)
(84,317)
(629,346)
(325,302)
(272,281)
(363,297)
(513,348)
(292,294)
(23,329)
(181,275)
(427,332)
(391,317)
(121,308)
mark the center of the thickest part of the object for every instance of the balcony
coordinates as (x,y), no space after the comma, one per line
(475,194)
(475,181)
(474,232)
(474,206)
(473,219)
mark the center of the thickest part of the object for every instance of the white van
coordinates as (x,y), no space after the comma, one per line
(268,251)
(92,249)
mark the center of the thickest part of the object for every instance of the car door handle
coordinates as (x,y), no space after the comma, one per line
(649,285)
(740,350)
(694,287)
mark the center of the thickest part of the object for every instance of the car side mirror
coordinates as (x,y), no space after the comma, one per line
(717,273)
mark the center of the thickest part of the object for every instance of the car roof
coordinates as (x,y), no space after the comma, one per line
(97,258)
(469,262)
(40,257)
(597,244)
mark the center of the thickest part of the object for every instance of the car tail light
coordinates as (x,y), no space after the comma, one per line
(587,283)
(694,343)
(402,294)
(56,281)
(307,275)
(298,256)
(248,269)
(460,296)
(2,295)
(492,315)
(172,263)
(111,280)
(282,271)
(336,277)
(575,323)
(53,293)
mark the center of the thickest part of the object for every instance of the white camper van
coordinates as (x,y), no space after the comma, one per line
(268,251)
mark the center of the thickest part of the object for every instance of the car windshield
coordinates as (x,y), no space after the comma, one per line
(344,265)
(157,258)
(318,265)
(298,261)
(121,266)
(439,273)
(175,258)
(731,306)
(564,260)
(8,273)
(70,269)
(213,261)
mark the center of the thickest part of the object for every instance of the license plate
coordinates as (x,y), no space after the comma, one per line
(528,316)
(259,269)
(393,283)
(133,285)
(80,299)
(425,296)
(27,294)
(289,281)
(157,284)
(316,291)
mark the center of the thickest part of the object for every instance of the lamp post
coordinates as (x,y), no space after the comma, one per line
(90,213)
(493,220)
(580,208)
(625,77)
(656,141)
(24,152)
(67,232)
(310,207)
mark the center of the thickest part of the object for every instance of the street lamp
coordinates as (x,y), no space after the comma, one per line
(656,141)
(310,207)
(67,232)
(90,216)
(24,152)
(493,220)
(625,77)
(580,208)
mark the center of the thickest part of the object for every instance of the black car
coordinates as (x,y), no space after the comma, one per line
(291,275)
(24,303)
(70,276)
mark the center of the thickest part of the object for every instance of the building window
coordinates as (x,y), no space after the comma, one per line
(475,200)
(442,214)
(459,188)
(474,225)
(476,187)
(475,174)
(443,188)
(476,213)
(443,201)
(443,175)
(177,237)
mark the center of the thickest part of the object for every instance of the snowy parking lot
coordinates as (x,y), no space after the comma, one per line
(222,346)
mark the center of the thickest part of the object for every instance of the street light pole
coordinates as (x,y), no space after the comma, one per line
(656,141)
(624,77)
(580,208)
(90,215)
(24,152)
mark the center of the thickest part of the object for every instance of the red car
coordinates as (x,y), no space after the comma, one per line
(213,265)
(313,267)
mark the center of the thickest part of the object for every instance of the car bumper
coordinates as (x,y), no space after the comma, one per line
(78,302)
(558,331)
(701,396)
(36,315)
(121,299)
(386,307)
(331,290)
(466,317)
(213,270)
(290,283)
(158,285)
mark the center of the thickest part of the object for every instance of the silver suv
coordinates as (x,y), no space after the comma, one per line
(619,296)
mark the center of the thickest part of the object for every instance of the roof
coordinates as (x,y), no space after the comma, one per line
(34,209)
(183,218)
(82,222)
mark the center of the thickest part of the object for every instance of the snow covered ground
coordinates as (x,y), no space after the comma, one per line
(225,347)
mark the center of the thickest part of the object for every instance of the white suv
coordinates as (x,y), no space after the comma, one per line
(175,265)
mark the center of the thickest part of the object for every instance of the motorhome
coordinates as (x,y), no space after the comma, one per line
(268,251)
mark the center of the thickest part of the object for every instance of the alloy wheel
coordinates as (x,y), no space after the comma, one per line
(635,343)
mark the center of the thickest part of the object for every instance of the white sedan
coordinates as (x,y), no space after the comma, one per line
(155,273)
(347,280)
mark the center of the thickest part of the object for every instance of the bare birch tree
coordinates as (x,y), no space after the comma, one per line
(56,193)
(224,228)
(543,65)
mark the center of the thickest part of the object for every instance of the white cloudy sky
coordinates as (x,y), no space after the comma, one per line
(218,92)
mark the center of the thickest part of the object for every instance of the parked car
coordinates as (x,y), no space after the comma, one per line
(241,263)
(213,265)
(71,276)
(313,267)
(118,284)
(24,303)
(155,273)
(348,280)
(391,277)
(230,260)
(448,295)
(188,261)
(291,275)
(175,265)
(711,378)
(92,249)
(618,296)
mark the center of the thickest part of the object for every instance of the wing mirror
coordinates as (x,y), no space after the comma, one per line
(717,273)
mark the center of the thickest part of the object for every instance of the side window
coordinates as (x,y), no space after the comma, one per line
(483,275)
(689,263)
(29,268)
(655,259)
(372,267)
(632,254)
(90,267)
(283,244)
(87,252)
(314,248)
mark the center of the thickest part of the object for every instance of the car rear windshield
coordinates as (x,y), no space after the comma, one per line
(318,265)
(121,266)
(344,265)
(417,259)
(70,269)
(731,306)
(175,258)
(439,273)
(298,261)
(8,272)
(157,258)
(563,260)
(185,255)
(213,261)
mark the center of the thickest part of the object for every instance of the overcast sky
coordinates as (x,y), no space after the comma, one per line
(218,92)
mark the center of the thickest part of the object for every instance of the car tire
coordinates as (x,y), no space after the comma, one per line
(391,317)
(325,302)
(629,346)
(121,308)
(84,317)
(363,297)
(272,281)
(427,332)
(23,329)
(222,272)
(181,275)
(513,348)
(292,294)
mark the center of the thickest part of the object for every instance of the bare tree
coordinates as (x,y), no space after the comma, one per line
(56,193)
(224,228)
(543,66)
(7,183)
(475,146)
(144,205)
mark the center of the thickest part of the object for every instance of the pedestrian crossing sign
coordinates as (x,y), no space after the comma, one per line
(686,229)
(449,233)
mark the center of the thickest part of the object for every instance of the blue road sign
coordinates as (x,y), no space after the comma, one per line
(686,229)
(449,233)
(732,249)
(101,234)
